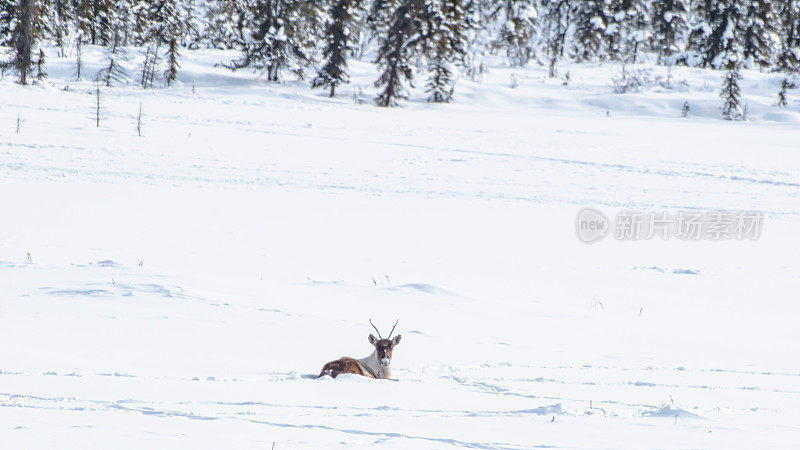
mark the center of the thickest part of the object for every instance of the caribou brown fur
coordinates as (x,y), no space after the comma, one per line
(375,365)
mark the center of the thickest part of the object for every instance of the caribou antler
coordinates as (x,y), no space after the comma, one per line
(376,328)
(390,333)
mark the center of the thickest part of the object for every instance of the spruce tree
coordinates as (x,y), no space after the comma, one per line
(173,56)
(226,22)
(629,31)
(124,23)
(282,38)
(7,8)
(376,18)
(477,38)
(402,42)
(115,56)
(670,24)
(82,10)
(783,100)
(339,46)
(94,18)
(516,20)
(164,21)
(789,19)
(760,33)
(448,45)
(698,31)
(730,93)
(193,22)
(28,26)
(613,31)
(104,17)
(41,72)
(554,26)
(140,31)
(590,18)
(60,17)
(165,28)
(724,21)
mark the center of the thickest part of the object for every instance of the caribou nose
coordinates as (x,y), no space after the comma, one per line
(385,361)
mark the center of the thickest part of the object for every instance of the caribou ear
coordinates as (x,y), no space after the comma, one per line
(372,339)
(396,340)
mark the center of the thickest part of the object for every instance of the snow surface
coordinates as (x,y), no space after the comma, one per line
(185,286)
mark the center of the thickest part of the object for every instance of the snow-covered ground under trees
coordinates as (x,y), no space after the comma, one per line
(183,285)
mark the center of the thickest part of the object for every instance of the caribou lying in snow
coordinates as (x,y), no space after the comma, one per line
(375,365)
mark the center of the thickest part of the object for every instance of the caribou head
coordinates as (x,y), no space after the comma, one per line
(384,347)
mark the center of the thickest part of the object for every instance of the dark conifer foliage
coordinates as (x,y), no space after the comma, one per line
(725,21)
(339,33)
(517,21)
(225,24)
(7,8)
(173,56)
(403,40)
(376,17)
(283,33)
(789,20)
(448,46)
(28,27)
(445,38)
(731,93)
(61,16)
(554,27)
(670,25)
(783,94)
(164,21)
(167,27)
(590,18)
(760,33)
(94,18)
(628,31)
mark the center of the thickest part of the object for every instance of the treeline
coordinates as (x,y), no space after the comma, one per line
(317,38)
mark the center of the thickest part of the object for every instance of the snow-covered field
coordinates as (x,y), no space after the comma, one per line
(183,285)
